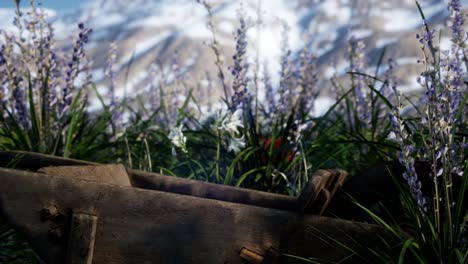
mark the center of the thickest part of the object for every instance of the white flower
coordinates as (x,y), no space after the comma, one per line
(231,122)
(392,136)
(226,124)
(213,117)
(235,144)
(223,120)
(178,139)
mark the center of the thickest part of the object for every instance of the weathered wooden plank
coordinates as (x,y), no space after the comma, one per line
(154,181)
(314,198)
(147,226)
(81,239)
(111,173)
(212,191)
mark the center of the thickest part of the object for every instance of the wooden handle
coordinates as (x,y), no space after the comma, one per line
(320,189)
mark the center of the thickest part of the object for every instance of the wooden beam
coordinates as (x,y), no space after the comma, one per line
(314,199)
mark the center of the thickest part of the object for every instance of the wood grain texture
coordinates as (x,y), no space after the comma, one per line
(81,239)
(314,198)
(110,173)
(154,181)
(148,226)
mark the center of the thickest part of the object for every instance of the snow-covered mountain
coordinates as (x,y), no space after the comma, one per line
(164,31)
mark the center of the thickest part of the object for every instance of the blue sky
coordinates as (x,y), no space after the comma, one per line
(59,5)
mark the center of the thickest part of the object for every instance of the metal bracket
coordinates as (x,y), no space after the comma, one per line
(271,256)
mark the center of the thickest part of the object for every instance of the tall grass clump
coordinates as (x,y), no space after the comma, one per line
(251,140)
(434,227)
(44,90)
(434,199)
(273,143)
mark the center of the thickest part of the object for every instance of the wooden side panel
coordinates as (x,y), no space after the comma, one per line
(208,190)
(154,181)
(146,226)
(314,198)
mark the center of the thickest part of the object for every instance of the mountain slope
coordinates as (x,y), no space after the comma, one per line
(174,33)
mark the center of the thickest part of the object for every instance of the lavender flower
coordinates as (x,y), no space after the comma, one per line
(17,20)
(444,97)
(240,68)
(114,105)
(457,22)
(87,82)
(307,81)
(443,82)
(3,78)
(20,108)
(390,81)
(426,38)
(405,158)
(74,68)
(2,56)
(389,85)
(110,71)
(175,68)
(269,93)
(361,116)
(152,88)
(285,71)
(53,73)
(175,94)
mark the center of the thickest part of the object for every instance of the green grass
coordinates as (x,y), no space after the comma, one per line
(277,151)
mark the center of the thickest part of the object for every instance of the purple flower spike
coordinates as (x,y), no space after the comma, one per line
(73,68)
(285,72)
(20,107)
(114,105)
(405,158)
(240,68)
(269,93)
(457,22)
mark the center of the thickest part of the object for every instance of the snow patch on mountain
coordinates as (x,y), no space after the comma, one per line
(361,33)
(108,20)
(399,19)
(341,13)
(382,42)
(8,15)
(146,29)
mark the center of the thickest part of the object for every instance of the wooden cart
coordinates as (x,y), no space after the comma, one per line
(86,213)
